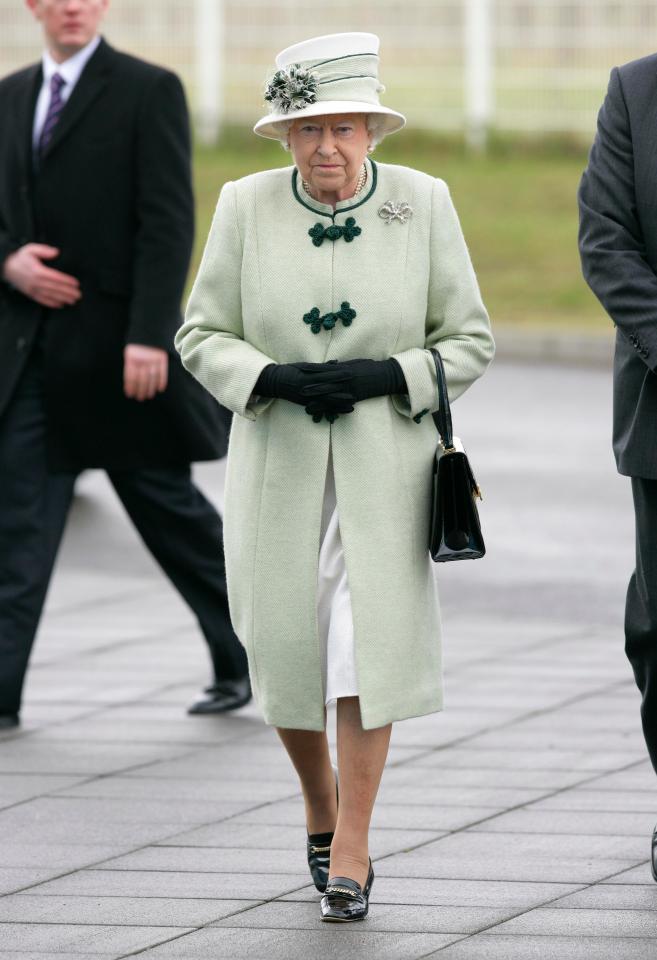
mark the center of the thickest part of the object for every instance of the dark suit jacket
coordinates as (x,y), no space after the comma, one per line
(618,246)
(113,193)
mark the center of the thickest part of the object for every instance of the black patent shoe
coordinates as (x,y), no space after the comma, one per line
(223,696)
(653,859)
(319,857)
(345,900)
(318,848)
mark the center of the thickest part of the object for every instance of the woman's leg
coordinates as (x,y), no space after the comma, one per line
(309,752)
(361,759)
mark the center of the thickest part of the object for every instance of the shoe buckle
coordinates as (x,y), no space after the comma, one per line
(314,849)
(345,890)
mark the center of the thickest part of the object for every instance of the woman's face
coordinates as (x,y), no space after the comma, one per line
(329,151)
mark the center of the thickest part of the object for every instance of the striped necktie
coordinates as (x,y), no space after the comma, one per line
(55,108)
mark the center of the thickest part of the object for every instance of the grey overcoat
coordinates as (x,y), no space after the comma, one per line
(411,284)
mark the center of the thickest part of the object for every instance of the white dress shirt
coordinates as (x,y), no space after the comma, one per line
(70,71)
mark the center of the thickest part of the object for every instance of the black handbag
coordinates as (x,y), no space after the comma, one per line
(455,531)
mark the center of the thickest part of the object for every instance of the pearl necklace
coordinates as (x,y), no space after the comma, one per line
(360,183)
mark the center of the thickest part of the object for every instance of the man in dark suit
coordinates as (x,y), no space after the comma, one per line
(96,229)
(618,246)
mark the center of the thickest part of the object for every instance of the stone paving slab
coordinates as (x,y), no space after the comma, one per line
(639,776)
(24,756)
(124,911)
(512,895)
(293,915)
(487,947)
(234,762)
(127,730)
(612,897)
(563,739)
(15,788)
(214,860)
(608,801)
(559,870)
(17,878)
(262,836)
(514,824)
(544,781)
(544,847)
(87,938)
(103,812)
(451,796)
(429,816)
(537,759)
(592,823)
(39,955)
(581,922)
(58,856)
(85,833)
(220,794)
(252,944)
(175,885)
(639,874)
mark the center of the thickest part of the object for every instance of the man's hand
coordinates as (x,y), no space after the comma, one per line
(24,270)
(145,371)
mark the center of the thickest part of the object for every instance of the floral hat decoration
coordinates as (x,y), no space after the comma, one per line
(337,73)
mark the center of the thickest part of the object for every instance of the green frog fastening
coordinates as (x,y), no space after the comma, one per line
(329,320)
(319,233)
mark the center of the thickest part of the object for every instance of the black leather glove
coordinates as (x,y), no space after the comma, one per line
(300,382)
(372,378)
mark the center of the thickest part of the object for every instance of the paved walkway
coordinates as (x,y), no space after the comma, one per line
(513,825)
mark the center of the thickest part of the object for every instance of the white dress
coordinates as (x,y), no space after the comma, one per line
(336,629)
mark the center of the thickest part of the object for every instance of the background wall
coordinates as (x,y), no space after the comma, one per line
(536,65)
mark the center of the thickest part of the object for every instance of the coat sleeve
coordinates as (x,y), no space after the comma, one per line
(165,214)
(7,246)
(611,244)
(211,340)
(456,324)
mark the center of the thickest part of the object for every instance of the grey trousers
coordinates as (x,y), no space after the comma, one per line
(641,609)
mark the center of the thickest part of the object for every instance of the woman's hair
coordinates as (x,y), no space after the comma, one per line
(375,126)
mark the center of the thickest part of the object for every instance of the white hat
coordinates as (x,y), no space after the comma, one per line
(337,73)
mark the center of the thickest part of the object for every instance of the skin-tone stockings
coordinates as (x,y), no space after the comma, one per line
(361,759)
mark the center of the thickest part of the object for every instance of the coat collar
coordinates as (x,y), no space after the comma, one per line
(24,106)
(92,82)
(342,206)
(70,69)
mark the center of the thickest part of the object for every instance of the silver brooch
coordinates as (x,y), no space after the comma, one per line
(395,210)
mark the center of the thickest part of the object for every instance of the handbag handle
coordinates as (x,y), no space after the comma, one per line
(443,417)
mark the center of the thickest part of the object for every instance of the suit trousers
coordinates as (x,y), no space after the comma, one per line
(641,609)
(182,530)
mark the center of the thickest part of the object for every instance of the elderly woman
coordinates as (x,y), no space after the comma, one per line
(321,287)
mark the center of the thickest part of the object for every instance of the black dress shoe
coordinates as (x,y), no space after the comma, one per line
(345,900)
(653,859)
(224,695)
(318,848)
(8,721)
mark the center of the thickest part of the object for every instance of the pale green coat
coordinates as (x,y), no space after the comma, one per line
(412,285)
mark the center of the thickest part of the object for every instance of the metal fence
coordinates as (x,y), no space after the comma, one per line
(536,65)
